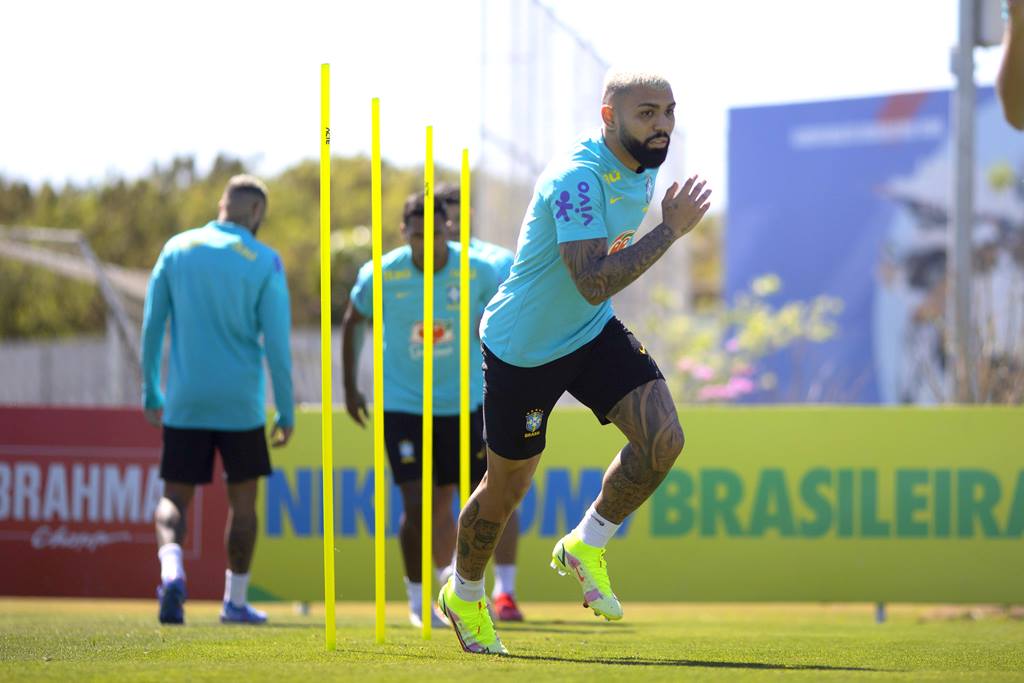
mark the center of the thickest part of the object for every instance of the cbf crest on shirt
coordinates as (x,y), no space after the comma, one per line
(538,314)
(404,332)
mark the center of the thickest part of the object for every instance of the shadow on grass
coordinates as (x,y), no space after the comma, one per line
(639,661)
(710,664)
(584,627)
(587,623)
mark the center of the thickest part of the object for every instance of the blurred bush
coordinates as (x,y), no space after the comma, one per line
(713,356)
(127,222)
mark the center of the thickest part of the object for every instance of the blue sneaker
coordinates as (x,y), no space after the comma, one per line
(231,613)
(172,601)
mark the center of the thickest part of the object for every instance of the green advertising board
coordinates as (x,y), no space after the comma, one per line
(787,504)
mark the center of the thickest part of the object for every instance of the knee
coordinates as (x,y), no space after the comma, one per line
(169,512)
(442,502)
(514,494)
(668,445)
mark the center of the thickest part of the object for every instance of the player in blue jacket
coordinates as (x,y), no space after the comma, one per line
(226,297)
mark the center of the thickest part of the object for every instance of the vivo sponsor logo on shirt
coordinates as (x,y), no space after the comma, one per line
(47,504)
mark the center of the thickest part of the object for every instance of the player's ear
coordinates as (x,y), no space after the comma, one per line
(608,115)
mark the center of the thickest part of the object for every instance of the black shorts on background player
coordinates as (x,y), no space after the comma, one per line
(188,455)
(403,438)
(599,374)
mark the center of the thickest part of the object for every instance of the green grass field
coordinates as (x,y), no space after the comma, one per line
(121,640)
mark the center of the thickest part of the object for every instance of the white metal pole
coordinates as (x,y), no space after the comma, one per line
(961,216)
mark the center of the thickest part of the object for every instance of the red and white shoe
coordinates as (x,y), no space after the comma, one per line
(505,607)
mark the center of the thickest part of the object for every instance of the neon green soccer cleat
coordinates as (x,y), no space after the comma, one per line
(471,621)
(586,564)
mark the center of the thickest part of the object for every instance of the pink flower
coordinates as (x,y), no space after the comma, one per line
(715,392)
(703,373)
(743,369)
(740,385)
(685,364)
(733,345)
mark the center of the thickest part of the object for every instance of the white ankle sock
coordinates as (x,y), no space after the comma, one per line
(171,565)
(236,588)
(594,529)
(470,591)
(504,579)
(414,591)
(444,573)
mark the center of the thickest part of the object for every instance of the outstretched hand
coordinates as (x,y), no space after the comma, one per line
(682,209)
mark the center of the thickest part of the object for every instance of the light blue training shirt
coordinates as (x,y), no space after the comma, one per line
(499,257)
(538,315)
(403,328)
(222,289)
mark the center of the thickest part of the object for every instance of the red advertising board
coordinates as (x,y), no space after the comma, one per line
(77,492)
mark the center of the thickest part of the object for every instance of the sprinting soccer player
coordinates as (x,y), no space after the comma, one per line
(551,329)
(221,289)
(403,381)
(503,597)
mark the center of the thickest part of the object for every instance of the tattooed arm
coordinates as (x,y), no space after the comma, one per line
(599,275)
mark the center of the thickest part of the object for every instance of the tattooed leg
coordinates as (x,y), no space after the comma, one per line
(488,509)
(648,418)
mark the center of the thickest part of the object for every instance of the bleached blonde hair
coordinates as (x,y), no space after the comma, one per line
(249,184)
(618,81)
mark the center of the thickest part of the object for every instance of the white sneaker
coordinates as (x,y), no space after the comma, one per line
(437,620)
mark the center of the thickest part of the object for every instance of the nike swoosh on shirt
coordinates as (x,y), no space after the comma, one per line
(614,199)
(401,295)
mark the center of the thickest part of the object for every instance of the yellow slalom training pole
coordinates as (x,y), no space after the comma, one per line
(427,545)
(464,332)
(379,493)
(326,414)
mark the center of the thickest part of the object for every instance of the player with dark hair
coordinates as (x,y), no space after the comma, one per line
(403,381)
(551,329)
(222,290)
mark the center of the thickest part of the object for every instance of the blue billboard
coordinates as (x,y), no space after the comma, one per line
(850,199)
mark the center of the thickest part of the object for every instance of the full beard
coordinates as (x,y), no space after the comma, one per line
(649,157)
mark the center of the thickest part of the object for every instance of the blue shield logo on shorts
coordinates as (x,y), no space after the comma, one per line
(406,452)
(534,418)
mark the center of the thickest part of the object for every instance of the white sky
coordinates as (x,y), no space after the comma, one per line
(90,88)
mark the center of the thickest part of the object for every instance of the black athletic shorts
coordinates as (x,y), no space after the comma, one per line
(518,401)
(403,437)
(188,455)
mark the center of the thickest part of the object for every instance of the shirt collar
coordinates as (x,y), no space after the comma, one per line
(230,227)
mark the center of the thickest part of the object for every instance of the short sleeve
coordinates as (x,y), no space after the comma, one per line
(362,291)
(576,202)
